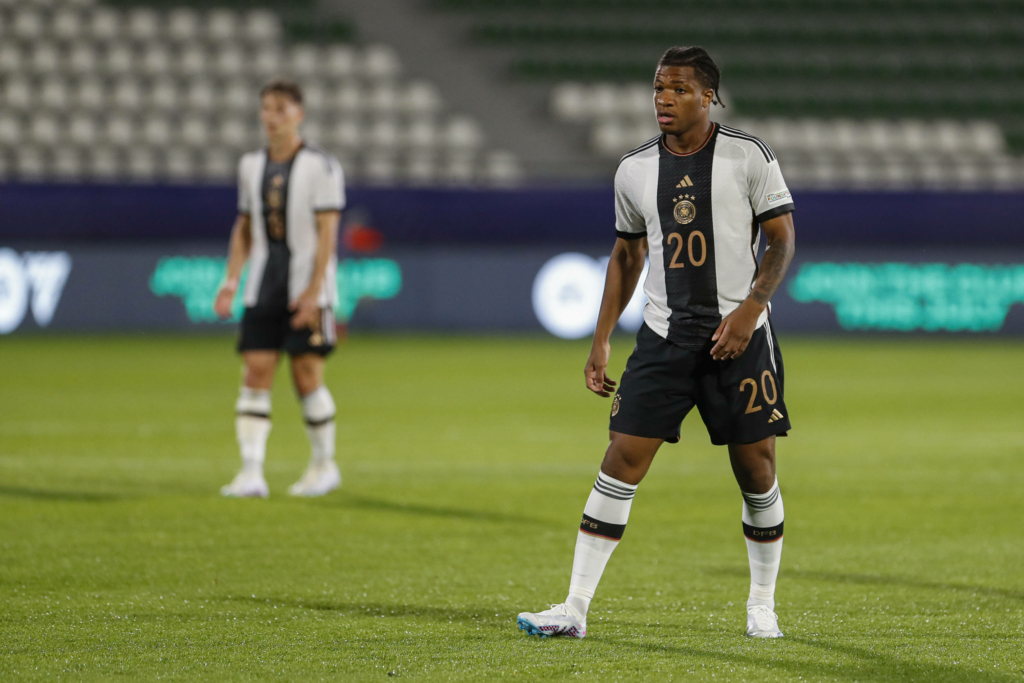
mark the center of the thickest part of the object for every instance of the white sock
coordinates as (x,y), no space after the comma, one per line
(252,426)
(604,521)
(318,410)
(763,517)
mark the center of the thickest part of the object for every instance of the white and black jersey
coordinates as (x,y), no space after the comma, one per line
(282,200)
(700,213)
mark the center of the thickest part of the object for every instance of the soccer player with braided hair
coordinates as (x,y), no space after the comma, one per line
(696,200)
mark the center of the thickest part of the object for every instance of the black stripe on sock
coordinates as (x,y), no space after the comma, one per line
(317,423)
(611,494)
(763,534)
(757,503)
(616,487)
(250,413)
(613,532)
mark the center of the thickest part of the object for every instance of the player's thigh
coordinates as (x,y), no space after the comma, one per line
(742,400)
(307,372)
(656,391)
(259,368)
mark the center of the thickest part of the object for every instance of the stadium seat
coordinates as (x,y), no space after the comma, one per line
(103,163)
(82,131)
(67,164)
(10,131)
(90,95)
(157,131)
(179,165)
(142,26)
(183,25)
(142,164)
(104,25)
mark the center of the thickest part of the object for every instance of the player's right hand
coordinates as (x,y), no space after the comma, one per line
(222,304)
(596,371)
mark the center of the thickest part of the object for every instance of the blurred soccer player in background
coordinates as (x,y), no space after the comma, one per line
(693,197)
(290,198)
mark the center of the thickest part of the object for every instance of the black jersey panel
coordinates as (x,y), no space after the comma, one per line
(687,225)
(273,290)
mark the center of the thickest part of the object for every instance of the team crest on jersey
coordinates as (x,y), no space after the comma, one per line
(684,210)
(615,405)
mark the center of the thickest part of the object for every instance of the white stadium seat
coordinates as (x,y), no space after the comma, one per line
(235,133)
(67,164)
(142,163)
(127,94)
(163,95)
(303,61)
(183,25)
(463,134)
(201,95)
(90,95)
(422,134)
(221,26)
(339,62)
(11,59)
(142,25)
(420,99)
(378,62)
(180,164)
(18,94)
(119,60)
(82,130)
(194,132)
(230,61)
(346,135)
(27,25)
(67,24)
(10,130)
(119,131)
(103,163)
(156,60)
(157,131)
(384,135)
(218,165)
(380,169)
(45,58)
(192,60)
(349,100)
(239,98)
(82,59)
(267,62)
(30,163)
(104,24)
(54,94)
(261,26)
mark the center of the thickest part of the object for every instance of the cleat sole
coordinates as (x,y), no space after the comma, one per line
(530,629)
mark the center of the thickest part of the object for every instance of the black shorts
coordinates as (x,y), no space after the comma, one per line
(740,400)
(270,328)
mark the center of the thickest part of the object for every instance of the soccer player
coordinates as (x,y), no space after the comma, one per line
(692,198)
(290,198)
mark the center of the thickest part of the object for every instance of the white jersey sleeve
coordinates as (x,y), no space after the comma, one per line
(328,186)
(769,196)
(629,220)
(244,185)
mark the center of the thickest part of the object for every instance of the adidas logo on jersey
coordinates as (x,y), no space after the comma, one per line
(685,182)
(776,415)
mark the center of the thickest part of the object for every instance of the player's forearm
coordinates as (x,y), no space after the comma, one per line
(773,268)
(327,240)
(624,269)
(238,250)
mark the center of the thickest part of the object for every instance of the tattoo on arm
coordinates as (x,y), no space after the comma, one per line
(773,269)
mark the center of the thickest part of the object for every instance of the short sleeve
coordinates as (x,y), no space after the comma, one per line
(629,220)
(329,186)
(769,196)
(244,189)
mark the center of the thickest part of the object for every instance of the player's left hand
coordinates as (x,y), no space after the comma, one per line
(735,330)
(306,310)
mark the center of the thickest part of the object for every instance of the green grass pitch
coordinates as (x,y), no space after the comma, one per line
(467,462)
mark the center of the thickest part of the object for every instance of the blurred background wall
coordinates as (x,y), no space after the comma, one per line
(479,139)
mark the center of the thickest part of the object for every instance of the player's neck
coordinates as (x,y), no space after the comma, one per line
(283,150)
(691,140)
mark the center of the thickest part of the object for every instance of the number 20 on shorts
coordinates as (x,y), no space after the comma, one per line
(767,380)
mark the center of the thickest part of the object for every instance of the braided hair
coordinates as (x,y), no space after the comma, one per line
(704,68)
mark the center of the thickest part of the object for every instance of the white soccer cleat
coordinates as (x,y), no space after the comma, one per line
(318,480)
(560,620)
(762,622)
(246,484)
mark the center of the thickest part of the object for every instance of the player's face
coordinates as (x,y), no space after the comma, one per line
(679,99)
(280,115)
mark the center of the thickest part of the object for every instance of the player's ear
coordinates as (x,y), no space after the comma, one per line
(707,97)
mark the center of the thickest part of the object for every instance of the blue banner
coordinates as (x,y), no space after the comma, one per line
(551,216)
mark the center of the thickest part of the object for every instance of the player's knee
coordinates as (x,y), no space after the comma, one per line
(318,406)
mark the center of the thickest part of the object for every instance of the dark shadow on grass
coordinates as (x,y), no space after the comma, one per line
(364,608)
(419,510)
(879,580)
(43,494)
(870,665)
